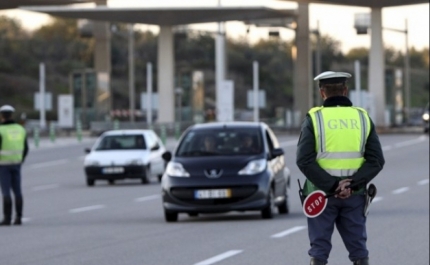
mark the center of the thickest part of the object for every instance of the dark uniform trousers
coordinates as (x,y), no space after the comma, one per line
(350,221)
(10,178)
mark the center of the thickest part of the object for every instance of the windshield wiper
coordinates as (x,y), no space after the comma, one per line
(199,153)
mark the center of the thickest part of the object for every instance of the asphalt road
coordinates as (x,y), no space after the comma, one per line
(67,222)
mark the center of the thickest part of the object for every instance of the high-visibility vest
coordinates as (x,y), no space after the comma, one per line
(340,136)
(12,144)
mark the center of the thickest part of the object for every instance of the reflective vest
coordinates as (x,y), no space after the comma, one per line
(340,136)
(12,144)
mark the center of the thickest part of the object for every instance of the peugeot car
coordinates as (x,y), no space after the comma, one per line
(222,167)
(125,154)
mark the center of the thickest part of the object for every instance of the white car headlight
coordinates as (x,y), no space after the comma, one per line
(91,163)
(175,169)
(426,116)
(254,167)
(135,162)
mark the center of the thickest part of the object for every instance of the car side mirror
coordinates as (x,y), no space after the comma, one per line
(87,150)
(154,148)
(167,156)
(277,152)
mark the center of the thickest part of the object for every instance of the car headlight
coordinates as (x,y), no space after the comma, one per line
(426,116)
(254,167)
(135,162)
(91,163)
(175,169)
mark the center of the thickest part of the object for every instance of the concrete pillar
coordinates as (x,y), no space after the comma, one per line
(165,75)
(303,80)
(377,69)
(102,65)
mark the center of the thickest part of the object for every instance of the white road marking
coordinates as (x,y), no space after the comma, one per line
(387,148)
(289,231)
(401,190)
(220,257)
(86,209)
(410,142)
(147,198)
(377,199)
(289,143)
(45,187)
(423,182)
(50,163)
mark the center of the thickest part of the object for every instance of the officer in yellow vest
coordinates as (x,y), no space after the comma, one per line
(13,150)
(338,145)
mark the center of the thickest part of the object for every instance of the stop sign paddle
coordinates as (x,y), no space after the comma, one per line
(314,204)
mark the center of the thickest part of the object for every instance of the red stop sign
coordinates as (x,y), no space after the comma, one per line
(314,204)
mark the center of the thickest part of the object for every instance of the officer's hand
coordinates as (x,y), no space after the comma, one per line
(344,192)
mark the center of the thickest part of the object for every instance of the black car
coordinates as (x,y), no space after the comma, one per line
(222,167)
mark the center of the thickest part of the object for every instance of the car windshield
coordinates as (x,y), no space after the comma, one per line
(241,141)
(121,142)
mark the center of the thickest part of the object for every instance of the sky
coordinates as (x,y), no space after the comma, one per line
(333,20)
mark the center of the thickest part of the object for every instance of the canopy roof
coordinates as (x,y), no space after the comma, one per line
(366,3)
(10,4)
(168,16)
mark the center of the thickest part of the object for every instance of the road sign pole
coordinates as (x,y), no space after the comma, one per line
(36,136)
(79,130)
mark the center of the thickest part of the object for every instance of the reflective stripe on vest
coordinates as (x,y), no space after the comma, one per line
(12,144)
(340,134)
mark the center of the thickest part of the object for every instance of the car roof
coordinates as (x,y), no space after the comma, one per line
(127,132)
(232,124)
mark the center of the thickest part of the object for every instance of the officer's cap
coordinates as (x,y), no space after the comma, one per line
(331,77)
(7,108)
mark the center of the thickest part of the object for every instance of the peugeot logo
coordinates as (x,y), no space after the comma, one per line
(213,173)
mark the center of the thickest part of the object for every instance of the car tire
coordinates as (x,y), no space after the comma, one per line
(267,213)
(111,181)
(284,208)
(193,214)
(90,182)
(159,177)
(145,179)
(170,216)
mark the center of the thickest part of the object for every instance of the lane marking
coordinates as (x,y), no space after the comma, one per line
(45,187)
(401,190)
(377,199)
(387,148)
(147,198)
(423,182)
(410,142)
(219,257)
(289,231)
(50,163)
(289,143)
(86,209)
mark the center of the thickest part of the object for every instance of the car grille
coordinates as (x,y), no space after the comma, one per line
(237,194)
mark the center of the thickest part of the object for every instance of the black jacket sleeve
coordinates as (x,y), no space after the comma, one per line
(374,158)
(306,159)
(25,151)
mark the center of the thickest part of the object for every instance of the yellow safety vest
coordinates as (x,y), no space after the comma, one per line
(12,144)
(340,136)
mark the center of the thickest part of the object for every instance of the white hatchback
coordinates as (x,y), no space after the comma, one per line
(125,154)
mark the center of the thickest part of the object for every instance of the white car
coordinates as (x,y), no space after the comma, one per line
(125,154)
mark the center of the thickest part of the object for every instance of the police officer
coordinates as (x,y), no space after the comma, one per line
(13,150)
(338,146)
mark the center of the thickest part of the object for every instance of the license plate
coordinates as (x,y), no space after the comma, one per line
(212,194)
(113,170)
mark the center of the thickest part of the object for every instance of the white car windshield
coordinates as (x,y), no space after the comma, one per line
(122,142)
(241,141)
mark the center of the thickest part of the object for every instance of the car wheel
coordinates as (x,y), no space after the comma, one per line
(145,179)
(284,208)
(267,213)
(111,182)
(90,182)
(159,177)
(170,216)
